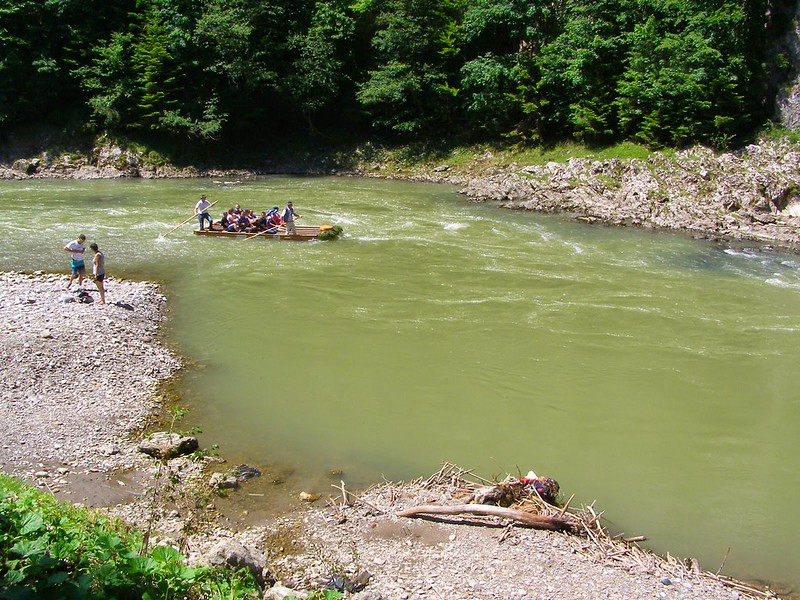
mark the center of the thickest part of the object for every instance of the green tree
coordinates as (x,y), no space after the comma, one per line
(41,46)
(154,70)
(510,26)
(109,82)
(498,83)
(410,88)
(666,72)
(579,70)
(246,58)
(135,81)
(17,68)
(688,75)
(487,91)
(322,56)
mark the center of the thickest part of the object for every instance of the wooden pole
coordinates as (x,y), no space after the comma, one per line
(265,232)
(189,219)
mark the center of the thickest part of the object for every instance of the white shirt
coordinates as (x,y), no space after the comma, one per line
(201,206)
(76,248)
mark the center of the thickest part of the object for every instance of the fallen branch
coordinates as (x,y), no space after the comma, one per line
(347,495)
(536,521)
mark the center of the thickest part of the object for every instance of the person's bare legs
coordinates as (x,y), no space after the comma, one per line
(72,277)
(101,288)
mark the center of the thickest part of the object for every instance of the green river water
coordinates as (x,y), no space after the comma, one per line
(652,372)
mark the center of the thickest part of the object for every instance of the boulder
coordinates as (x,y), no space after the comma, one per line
(164,444)
(230,553)
(279,592)
(220,481)
(25,166)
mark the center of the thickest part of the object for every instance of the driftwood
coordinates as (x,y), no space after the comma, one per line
(524,518)
(590,537)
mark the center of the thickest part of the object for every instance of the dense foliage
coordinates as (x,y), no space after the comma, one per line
(661,72)
(54,550)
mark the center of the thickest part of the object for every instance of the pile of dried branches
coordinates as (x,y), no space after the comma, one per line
(515,504)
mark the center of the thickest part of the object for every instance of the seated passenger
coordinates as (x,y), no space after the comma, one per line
(242,224)
(274,217)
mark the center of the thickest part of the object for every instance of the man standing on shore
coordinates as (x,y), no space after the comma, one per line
(289,215)
(201,210)
(99,271)
(76,248)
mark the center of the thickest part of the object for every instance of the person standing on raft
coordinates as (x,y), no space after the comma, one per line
(289,215)
(201,210)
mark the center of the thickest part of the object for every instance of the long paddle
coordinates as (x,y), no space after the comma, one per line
(266,231)
(189,219)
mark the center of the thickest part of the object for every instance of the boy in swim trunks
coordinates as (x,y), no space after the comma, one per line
(76,248)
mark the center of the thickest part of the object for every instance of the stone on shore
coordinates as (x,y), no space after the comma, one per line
(165,445)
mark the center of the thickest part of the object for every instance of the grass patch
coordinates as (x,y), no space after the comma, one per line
(563,152)
(462,158)
(775,133)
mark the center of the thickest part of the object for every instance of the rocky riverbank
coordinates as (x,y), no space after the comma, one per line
(750,194)
(81,383)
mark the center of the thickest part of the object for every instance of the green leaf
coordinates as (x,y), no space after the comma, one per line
(19,593)
(166,554)
(13,577)
(142,564)
(31,523)
(57,578)
(30,548)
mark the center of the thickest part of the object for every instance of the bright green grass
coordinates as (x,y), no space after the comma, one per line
(463,157)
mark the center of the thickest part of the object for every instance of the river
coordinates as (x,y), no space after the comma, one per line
(650,371)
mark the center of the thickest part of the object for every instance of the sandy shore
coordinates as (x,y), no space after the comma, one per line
(80,384)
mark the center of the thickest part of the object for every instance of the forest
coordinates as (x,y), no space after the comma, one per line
(664,73)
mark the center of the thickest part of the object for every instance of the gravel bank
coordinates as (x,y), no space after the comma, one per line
(79,383)
(78,378)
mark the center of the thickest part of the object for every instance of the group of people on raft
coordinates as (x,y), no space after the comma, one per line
(240,220)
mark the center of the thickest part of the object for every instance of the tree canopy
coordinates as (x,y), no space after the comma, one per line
(662,72)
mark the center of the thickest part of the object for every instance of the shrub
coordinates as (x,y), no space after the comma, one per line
(49,549)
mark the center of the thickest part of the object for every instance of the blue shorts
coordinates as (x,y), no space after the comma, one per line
(78,267)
